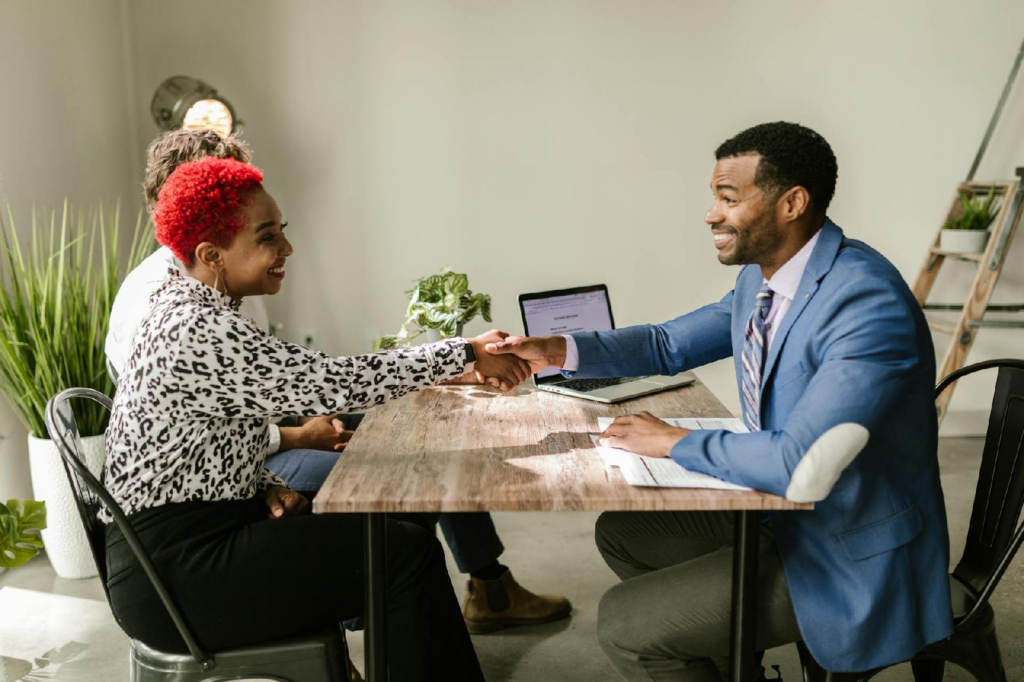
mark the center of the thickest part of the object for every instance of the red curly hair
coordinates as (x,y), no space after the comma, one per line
(200,202)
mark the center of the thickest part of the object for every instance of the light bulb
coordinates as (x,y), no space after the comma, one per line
(209,114)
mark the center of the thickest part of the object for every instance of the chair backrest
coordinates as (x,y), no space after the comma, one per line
(90,494)
(994,534)
(63,430)
(111,372)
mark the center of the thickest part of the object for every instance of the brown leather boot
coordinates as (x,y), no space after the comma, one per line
(494,604)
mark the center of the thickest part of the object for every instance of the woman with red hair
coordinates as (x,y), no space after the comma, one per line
(189,433)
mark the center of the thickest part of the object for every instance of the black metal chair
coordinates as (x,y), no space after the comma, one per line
(319,656)
(993,539)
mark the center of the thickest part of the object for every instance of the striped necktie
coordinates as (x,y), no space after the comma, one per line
(753,358)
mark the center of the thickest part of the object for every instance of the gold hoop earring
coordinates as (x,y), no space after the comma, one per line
(222,294)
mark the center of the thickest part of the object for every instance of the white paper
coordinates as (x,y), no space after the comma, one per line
(661,472)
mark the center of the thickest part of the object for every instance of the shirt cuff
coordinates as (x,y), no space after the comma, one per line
(275,439)
(572,355)
(268,479)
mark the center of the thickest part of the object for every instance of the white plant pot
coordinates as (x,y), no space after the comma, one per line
(64,538)
(433,336)
(963,241)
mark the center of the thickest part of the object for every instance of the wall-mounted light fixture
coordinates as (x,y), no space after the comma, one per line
(186,102)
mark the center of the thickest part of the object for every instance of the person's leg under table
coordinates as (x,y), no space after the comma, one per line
(671,617)
(302,469)
(472,538)
(494,599)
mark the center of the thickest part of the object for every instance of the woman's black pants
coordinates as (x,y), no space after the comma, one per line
(240,578)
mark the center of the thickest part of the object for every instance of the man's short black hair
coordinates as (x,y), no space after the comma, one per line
(791,155)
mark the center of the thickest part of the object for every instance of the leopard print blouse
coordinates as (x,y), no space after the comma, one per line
(190,418)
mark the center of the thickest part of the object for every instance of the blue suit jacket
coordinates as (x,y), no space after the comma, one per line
(867,569)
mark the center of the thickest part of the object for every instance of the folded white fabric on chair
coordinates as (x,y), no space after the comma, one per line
(825,462)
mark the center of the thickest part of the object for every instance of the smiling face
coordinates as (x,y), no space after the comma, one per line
(254,263)
(742,219)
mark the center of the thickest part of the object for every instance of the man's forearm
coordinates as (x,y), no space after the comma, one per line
(556,349)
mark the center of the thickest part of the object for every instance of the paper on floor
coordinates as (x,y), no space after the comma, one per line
(660,472)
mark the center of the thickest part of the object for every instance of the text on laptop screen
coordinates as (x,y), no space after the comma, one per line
(584,312)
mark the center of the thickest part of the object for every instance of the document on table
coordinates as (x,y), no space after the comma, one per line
(661,472)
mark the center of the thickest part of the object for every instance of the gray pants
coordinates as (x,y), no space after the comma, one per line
(669,618)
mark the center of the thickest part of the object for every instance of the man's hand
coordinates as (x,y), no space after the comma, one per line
(316,433)
(643,434)
(504,373)
(284,502)
(540,352)
(325,433)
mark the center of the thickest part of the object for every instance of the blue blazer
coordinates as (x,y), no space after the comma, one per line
(867,569)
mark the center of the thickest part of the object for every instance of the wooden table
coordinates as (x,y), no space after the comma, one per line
(467,448)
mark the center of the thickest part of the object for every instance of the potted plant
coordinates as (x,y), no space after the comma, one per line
(55,300)
(439,306)
(20,523)
(967,230)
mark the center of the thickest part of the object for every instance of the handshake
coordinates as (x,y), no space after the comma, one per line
(504,361)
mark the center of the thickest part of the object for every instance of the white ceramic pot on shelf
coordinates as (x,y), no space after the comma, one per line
(963,241)
(64,538)
(433,336)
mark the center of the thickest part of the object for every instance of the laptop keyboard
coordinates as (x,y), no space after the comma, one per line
(588,385)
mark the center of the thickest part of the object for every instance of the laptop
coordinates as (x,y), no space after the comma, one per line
(579,310)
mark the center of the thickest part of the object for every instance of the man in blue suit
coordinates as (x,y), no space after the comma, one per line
(834,367)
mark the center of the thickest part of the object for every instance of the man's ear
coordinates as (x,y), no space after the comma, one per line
(209,255)
(794,203)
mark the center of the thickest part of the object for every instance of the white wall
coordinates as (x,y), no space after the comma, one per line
(533,145)
(65,130)
(547,144)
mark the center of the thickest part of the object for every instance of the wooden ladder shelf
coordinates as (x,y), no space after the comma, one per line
(990,266)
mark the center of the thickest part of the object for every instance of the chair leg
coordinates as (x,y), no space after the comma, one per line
(811,670)
(990,662)
(928,669)
(974,647)
(848,677)
(981,657)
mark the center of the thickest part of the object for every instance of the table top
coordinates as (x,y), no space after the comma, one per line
(470,448)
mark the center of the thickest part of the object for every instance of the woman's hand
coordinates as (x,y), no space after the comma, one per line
(503,372)
(283,502)
(643,434)
(467,379)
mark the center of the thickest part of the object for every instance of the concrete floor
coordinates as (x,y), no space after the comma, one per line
(556,553)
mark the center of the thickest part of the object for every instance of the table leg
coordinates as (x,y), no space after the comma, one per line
(744,595)
(375,636)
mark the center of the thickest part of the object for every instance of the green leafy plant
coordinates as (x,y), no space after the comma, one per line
(20,523)
(442,302)
(975,213)
(55,300)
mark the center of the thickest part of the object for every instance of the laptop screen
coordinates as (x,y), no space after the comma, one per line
(565,312)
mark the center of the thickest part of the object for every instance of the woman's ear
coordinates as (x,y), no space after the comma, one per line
(209,255)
